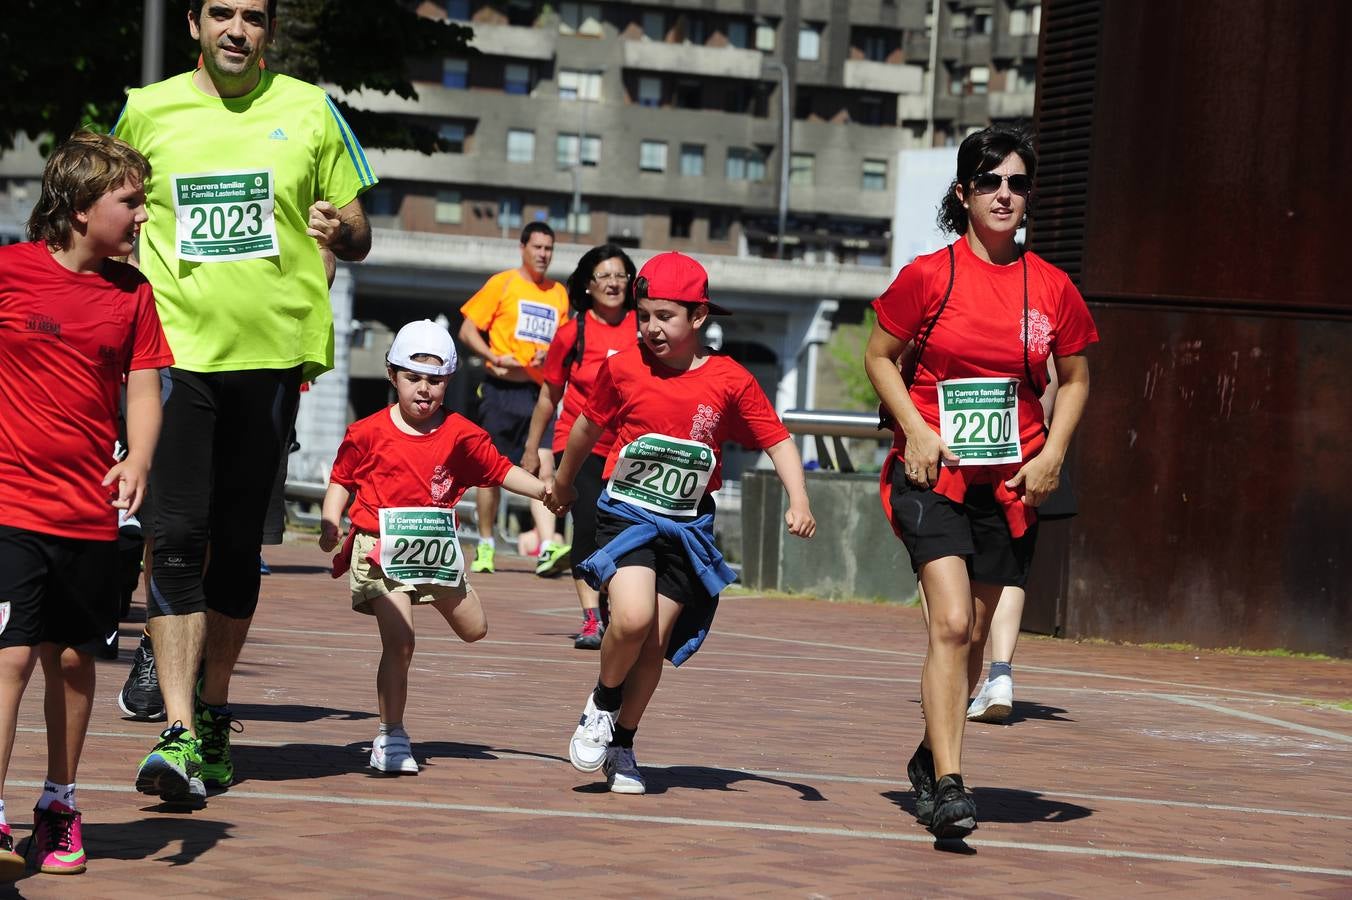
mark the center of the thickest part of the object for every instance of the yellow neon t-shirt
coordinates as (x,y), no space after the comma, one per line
(519,316)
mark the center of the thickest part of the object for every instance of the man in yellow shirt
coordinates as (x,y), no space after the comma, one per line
(519,310)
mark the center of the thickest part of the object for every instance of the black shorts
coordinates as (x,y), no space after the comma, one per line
(588,483)
(505,408)
(676,578)
(933,526)
(55,589)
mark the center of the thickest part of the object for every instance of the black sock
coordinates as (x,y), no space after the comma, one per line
(623,737)
(608,698)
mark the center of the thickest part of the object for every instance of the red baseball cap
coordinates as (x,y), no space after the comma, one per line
(679,278)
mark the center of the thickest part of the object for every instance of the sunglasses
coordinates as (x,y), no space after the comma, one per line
(989,183)
(603,277)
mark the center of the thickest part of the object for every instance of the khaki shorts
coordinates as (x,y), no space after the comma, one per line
(368,581)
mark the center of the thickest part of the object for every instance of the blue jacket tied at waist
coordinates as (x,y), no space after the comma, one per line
(696,537)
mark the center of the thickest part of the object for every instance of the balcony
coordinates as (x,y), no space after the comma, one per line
(691,59)
(912,107)
(1010,46)
(865,75)
(1017,105)
(514,41)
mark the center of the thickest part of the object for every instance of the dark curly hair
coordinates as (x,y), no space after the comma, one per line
(78,173)
(980,152)
(578,297)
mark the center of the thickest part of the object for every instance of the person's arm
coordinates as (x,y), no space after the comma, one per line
(545,405)
(144,414)
(505,367)
(346,231)
(789,467)
(924,448)
(519,481)
(1041,474)
(331,516)
(559,490)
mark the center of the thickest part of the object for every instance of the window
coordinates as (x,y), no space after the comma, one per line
(719,225)
(875,47)
(521,13)
(870,111)
(448,211)
(765,36)
(457,10)
(561,217)
(509,212)
(801,169)
(516,78)
(687,95)
(580,18)
(453,133)
(520,145)
(652,156)
(455,73)
(809,41)
(981,23)
(692,159)
(681,221)
(570,152)
(957,80)
(649,91)
(737,34)
(380,201)
(696,30)
(577,85)
(1024,22)
(980,79)
(875,175)
(745,164)
(655,26)
(1021,79)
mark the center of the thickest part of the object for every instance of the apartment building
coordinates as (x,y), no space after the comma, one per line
(659,125)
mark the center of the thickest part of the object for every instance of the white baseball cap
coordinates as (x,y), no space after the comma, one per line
(423,336)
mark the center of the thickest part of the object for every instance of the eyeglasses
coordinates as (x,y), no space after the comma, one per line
(603,277)
(989,183)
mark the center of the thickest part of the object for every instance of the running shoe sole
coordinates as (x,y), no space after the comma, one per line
(158,778)
(12,866)
(139,716)
(994,713)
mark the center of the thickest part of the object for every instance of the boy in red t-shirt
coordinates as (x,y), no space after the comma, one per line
(73,323)
(408,466)
(672,404)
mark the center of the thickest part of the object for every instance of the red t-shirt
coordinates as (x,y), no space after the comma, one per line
(980,333)
(385,467)
(718,402)
(66,341)
(602,341)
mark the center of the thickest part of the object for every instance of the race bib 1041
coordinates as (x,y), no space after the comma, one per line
(536,321)
(979,420)
(418,545)
(662,474)
(224,216)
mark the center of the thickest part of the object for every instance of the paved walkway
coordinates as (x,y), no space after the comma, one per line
(774,762)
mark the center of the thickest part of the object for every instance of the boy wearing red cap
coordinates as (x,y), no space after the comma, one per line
(672,403)
(408,466)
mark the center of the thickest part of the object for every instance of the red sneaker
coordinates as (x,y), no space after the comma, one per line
(56,846)
(589,638)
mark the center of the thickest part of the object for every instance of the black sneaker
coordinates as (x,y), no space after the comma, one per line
(140,697)
(954,810)
(920,770)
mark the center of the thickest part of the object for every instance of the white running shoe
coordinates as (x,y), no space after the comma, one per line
(994,702)
(391,753)
(591,738)
(622,771)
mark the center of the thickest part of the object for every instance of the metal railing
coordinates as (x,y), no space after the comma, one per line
(821,424)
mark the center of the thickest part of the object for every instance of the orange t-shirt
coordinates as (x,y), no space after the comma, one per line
(519,316)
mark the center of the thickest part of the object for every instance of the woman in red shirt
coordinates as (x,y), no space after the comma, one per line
(975,458)
(601,291)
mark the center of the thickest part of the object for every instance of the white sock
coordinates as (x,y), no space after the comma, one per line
(3,820)
(52,792)
(489,542)
(546,547)
(393,728)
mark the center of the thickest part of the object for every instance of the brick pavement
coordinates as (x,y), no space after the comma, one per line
(774,761)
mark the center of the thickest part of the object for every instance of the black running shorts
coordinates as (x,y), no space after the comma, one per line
(55,589)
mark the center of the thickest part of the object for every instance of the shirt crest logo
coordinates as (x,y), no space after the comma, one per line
(440,485)
(703,424)
(1039,332)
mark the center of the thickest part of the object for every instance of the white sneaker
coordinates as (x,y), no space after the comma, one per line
(994,702)
(391,753)
(622,771)
(591,738)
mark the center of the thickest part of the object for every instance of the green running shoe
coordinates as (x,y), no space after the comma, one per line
(173,770)
(555,559)
(483,558)
(214,725)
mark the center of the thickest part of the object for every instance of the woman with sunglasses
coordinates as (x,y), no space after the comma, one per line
(600,290)
(971,459)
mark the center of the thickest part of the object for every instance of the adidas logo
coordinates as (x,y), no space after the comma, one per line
(278,134)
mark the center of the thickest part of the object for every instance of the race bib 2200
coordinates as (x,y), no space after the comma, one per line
(662,474)
(418,545)
(979,420)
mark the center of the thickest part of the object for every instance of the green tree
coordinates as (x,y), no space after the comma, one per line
(69,63)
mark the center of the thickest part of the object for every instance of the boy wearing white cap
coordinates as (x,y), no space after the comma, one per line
(404,469)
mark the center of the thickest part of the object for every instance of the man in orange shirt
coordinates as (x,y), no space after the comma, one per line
(519,310)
